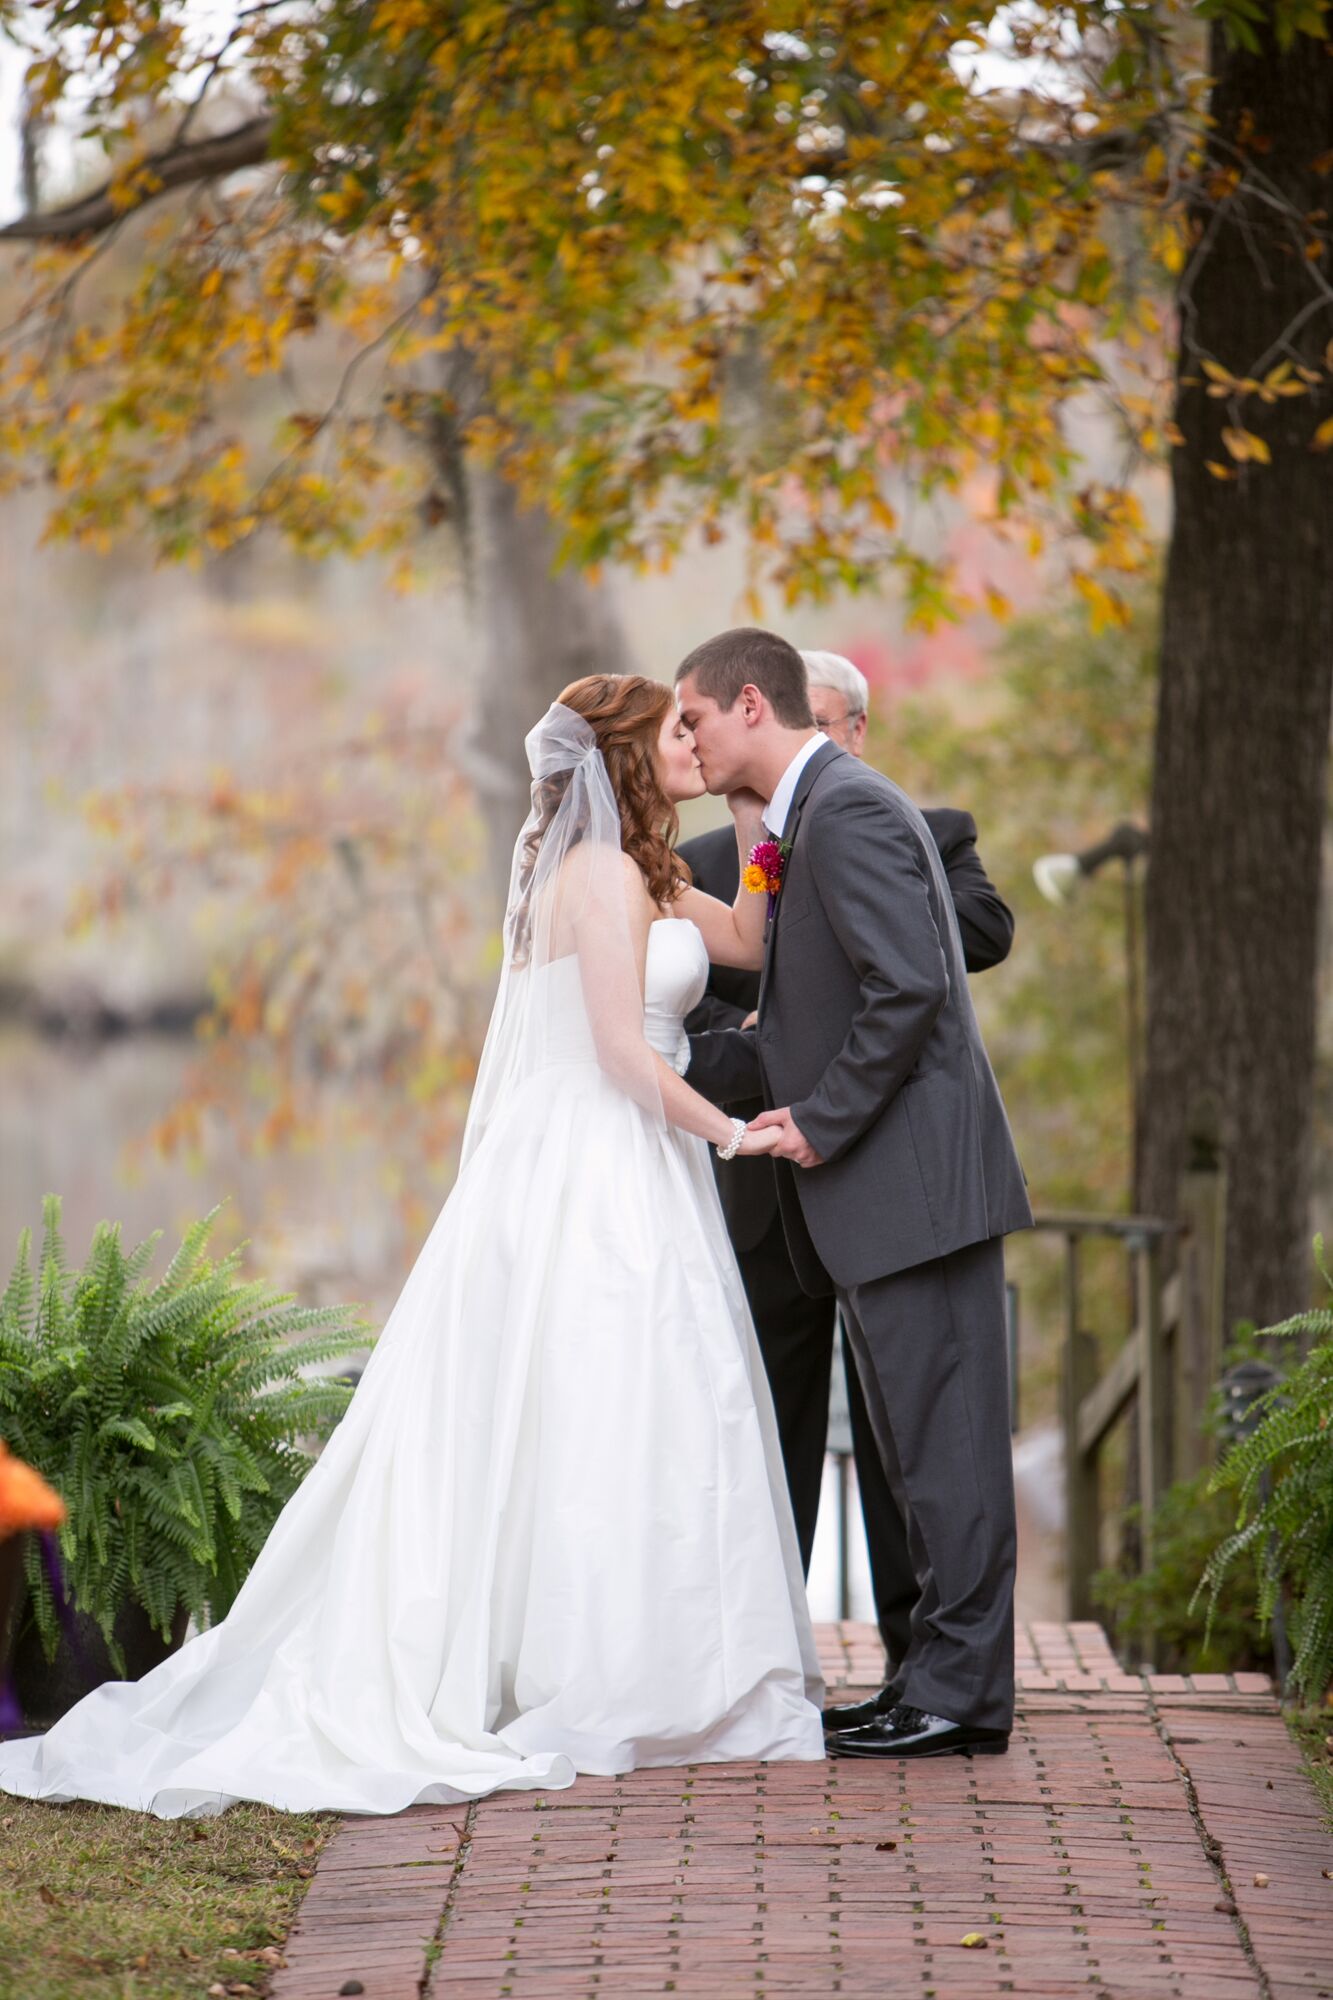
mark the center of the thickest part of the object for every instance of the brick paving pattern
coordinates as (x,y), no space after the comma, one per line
(1117,1853)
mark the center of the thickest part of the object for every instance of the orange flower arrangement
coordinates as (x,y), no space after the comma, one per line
(26,1501)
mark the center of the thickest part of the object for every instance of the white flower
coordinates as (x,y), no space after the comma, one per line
(787,48)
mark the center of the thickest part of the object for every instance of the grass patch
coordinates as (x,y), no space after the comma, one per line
(100,1904)
(1313,1730)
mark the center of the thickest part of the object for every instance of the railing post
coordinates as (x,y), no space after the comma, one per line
(1083,1539)
(1151,1400)
(1202,1209)
(1152,1383)
(844,1465)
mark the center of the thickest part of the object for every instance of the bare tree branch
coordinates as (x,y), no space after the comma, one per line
(177,166)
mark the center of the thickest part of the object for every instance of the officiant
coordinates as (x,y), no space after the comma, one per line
(796,1332)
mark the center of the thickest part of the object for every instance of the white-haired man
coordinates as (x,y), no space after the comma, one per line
(795,1330)
(839,699)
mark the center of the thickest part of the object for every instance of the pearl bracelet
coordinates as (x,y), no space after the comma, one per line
(739,1128)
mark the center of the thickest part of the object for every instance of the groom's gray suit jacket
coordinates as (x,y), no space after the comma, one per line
(866,1030)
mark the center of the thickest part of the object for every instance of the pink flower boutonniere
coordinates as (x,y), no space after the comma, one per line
(768,860)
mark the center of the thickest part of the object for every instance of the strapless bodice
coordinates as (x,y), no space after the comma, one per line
(675,975)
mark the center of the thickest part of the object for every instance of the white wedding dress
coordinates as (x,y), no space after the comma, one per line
(552,1533)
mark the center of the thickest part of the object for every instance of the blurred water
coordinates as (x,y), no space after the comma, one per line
(320,1222)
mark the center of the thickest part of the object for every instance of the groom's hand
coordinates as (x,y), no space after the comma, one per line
(745,804)
(793,1144)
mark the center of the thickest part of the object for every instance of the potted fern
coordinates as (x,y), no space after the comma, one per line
(1281,1476)
(172,1419)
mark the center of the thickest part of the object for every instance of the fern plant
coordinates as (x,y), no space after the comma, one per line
(1282,1477)
(170,1417)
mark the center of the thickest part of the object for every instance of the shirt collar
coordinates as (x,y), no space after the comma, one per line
(779,806)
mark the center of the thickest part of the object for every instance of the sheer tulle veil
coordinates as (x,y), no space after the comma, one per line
(572,891)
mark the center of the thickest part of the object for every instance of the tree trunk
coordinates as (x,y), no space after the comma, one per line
(1247,660)
(541,628)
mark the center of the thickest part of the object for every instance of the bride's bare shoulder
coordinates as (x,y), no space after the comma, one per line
(595,874)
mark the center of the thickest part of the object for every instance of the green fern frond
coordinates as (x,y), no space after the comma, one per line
(17,1303)
(193,1244)
(1282,1477)
(128,1430)
(53,1243)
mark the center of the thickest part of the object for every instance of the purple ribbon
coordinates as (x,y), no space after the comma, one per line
(11,1714)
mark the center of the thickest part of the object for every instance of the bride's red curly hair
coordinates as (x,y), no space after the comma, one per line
(626,713)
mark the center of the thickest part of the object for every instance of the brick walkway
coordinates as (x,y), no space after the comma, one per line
(1142,1838)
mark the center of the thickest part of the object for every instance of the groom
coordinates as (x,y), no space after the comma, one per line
(796,1331)
(898,1177)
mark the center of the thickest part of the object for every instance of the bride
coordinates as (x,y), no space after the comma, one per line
(552,1533)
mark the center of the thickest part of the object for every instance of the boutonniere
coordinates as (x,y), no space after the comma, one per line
(767,865)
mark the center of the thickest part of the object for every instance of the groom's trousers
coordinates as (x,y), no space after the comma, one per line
(795,1334)
(931,1350)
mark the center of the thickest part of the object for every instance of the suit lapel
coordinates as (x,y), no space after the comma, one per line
(823,757)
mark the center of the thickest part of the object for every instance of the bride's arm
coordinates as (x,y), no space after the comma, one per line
(733,932)
(612,953)
(685,1108)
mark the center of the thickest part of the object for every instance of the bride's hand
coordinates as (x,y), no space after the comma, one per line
(765,1140)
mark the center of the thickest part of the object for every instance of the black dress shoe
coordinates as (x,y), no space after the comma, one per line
(911,1732)
(858,1714)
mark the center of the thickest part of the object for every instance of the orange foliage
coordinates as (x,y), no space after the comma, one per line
(26,1501)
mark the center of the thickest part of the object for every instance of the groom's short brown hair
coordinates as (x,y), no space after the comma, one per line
(750,657)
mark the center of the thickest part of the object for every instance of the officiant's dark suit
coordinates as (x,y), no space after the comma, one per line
(796,1330)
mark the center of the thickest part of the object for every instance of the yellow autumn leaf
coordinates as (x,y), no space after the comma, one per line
(1172,252)
(1105,609)
(1244,446)
(1323,437)
(974,1941)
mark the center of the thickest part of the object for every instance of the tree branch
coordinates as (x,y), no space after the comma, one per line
(176,166)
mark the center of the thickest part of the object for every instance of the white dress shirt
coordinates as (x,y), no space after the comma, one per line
(778,807)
